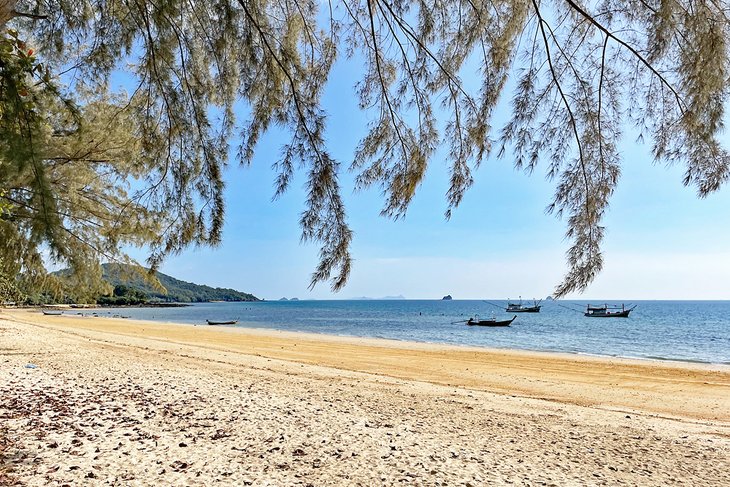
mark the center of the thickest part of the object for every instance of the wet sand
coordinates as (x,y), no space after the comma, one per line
(120,402)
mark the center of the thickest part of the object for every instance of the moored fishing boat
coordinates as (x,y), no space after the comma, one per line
(520,308)
(52,312)
(229,322)
(607,311)
(490,322)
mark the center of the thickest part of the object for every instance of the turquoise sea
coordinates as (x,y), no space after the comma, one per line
(694,331)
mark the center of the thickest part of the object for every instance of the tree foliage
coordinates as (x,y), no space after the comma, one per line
(582,71)
(65,183)
(9,290)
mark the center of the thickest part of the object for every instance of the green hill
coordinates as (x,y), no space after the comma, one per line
(128,282)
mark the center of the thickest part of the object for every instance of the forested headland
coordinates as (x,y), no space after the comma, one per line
(118,285)
(129,287)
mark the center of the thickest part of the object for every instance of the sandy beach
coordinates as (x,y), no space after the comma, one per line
(102,401)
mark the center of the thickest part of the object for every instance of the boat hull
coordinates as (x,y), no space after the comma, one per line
(530,309)
(231,322)
(473,322)
(617,314)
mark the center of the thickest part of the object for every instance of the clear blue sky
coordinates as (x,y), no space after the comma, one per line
(662,242)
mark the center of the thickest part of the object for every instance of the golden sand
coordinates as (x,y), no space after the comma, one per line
(292,408)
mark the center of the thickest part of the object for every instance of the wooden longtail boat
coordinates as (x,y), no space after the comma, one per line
(493,322)
(229,322)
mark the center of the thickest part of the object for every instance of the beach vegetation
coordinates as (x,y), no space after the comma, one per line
(9,290)
(65,176)
(85,171)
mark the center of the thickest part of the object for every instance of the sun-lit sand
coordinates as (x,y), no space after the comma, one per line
(119,402)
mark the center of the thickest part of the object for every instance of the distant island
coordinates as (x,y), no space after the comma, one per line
(367,298)
(131,288)
(447,298)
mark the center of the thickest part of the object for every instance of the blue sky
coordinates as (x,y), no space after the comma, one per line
(662,242)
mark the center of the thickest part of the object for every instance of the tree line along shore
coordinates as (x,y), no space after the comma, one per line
(122,285)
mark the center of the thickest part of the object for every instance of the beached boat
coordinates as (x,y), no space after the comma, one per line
(607,311)
(52,312)
(520,308)
(491,322)
(229,322)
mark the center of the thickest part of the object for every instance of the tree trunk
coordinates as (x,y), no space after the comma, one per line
(7,12)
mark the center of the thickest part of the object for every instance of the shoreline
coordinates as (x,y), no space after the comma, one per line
(88,401)
(670,388)
(406,342)
(388,342)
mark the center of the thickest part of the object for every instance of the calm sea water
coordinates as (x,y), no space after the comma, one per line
(696,331)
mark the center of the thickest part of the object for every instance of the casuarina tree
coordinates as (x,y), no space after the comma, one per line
(582,72)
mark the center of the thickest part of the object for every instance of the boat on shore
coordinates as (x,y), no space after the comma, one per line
(520,308)
(490,322)
(52,312)
(607,311)
(229,322)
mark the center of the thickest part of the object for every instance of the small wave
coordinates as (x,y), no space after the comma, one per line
(675,359)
